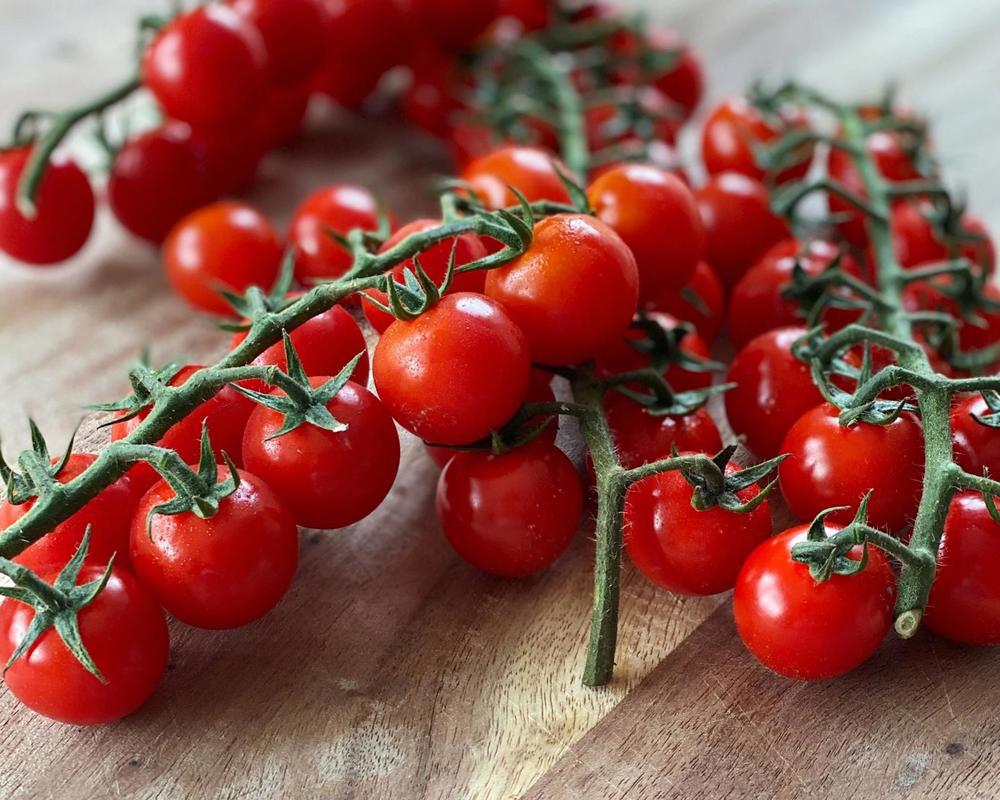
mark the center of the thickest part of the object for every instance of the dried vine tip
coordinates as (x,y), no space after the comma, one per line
(56,605)
(908,623)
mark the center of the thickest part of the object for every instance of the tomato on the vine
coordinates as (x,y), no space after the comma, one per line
(455,373)
(683,81)
(223,571)
(64,210)
(807,630)
(682,549)
(455,26)
(573,291)
(833,465)
(431,101)
(655,214)
(294,34)
(125,633)
(281,115)
(226,245)
(977,446)
(530,170)
(702,301)
(917,241)
(512,514)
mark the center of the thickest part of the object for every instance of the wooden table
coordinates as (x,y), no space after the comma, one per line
(394,671)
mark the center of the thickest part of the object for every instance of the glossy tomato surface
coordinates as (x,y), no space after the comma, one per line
(294,33)
(976,446)
(530,170)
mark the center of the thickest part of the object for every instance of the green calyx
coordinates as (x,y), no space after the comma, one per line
(147,385)
(828,555)
(38,474)
(254,303)
(713,487)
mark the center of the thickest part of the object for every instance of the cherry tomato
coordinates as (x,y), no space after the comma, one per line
(338,207)
(308,467)
(225,245)
(981,252)
(964,604)
(831,465)
(530,170)
(455,26)
(736,127)
(683,81)
(207,67)
(294,34)
(512,514)
(927,296)
(806,630)
(64,206)
(682,549)
(109,515)
(324,345)
(606,124)
(573,291)
(456,372)
(124,631)
(220,572)
(280,118)
(739,224)
(977,447)
(757,303)
(226,415)
(917,242)
(231,154)
(706,312)
(431,100)
(655,214)
(434,261)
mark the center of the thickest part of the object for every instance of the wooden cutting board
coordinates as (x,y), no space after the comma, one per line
(392,670)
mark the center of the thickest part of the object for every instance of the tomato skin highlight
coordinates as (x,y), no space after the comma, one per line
(455,373)
(530,170)
(684,550)
(64,205)
(510,515)
(830,465)
(571,256)
(976,446)
(224,571)
(124,631)
(327,479)
(809,631)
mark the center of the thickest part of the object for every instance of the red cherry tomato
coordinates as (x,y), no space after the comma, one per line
(338,207)
(455,26)
(64,211)
(736,127)
(964,604)
(280,118)
(706,312)
(307,467)
(431,101)
(226,415)
(456,372)
(683,81)
(530,170)
(573,291)
(124,631)
(109,515)
(207,67)
(231,154)
(757,303)
(739,224)
(222,246)
(655,214)
(682,549)
(917,242)
(513,514)
(294,34)
(831,465)
(977,447)
(434,261)
(982,252)
(806,630)
(606,125)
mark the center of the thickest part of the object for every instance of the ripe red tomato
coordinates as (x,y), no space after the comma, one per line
(964,604)
(431,101)
(338,207)
(294,34)
(124,631)
(977,447)
(528,169)
(655,214)
(926,296)
(606,125)
(231,154)
(225,245)
(739,224)
(64,205)
(456,372)
(434,261)
(512,514)
(757,304)
(806,630)
(207,67)
(324,345)
(917,242)
(571,257)
(683,82)
(830,465)
(280,118)
(706,315)
(736,127)
(685,550)
(307,467)
(109,515)
(982,252)
(455,26)
(226,415)
(220,572)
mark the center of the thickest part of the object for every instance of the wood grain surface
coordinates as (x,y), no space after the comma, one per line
(392,670)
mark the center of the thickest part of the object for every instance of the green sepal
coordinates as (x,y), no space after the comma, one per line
(254,303)
(146,382)
(662,346)
(577,194)
(714,487)
(828,555)
(991,419)
(22,486)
